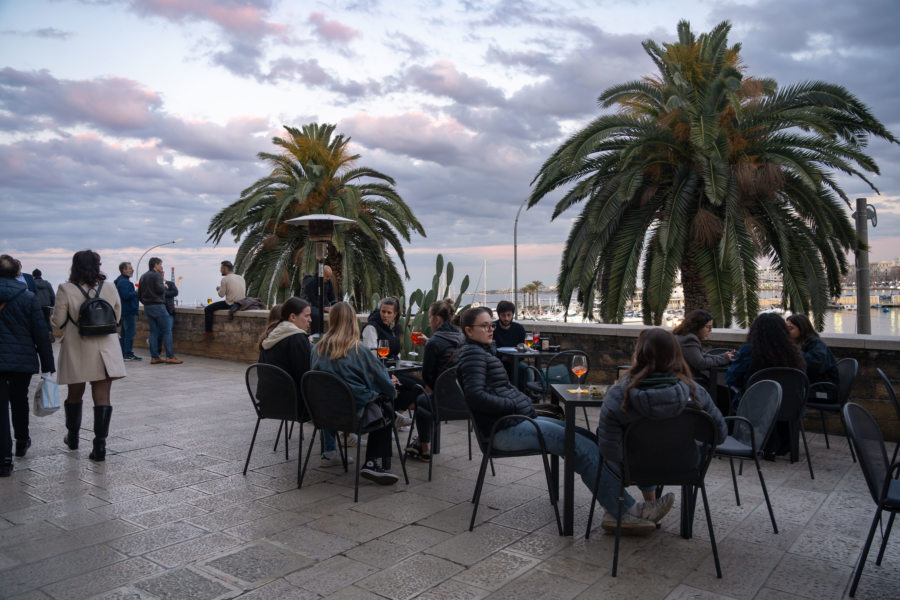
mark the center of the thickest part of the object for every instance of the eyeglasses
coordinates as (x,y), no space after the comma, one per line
(488,326)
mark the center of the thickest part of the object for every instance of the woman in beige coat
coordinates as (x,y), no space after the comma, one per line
(97,359)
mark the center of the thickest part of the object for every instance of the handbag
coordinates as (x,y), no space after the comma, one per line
(46,396)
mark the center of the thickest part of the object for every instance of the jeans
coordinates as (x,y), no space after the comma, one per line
(208,313)
(171,329)
(160,327)
(14,397)
(424,418)
(126,336)
(329,444)
(523,436)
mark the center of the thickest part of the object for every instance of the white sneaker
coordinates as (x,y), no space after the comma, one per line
(333,459)
(401,421)
(352,440)
(631,525)
(654,510)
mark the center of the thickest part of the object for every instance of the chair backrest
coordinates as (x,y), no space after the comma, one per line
(674,451)
(273,392)
(847,370)
(559,368)
(794,386)
(760,405)
(448,397)
(890,390)
(869,444)
(330,401)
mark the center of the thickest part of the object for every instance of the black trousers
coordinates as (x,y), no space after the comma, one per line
(424,417)
(208,313)
(407,392)
(14,398)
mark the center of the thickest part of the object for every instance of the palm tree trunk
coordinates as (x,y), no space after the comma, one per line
(694,291)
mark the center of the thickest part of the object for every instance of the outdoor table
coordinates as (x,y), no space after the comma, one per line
(517,357)
(404,366)
(562,394)
(572,401)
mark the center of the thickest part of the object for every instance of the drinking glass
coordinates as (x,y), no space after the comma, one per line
(529,339)
(579,368)
(383,349)
(536,338)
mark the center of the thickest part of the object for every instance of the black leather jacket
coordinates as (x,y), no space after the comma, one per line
(440,352)
(486,385)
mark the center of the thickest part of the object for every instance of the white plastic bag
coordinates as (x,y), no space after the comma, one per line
(46,396)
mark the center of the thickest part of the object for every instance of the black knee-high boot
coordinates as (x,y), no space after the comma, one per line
(73,424)
(102,415)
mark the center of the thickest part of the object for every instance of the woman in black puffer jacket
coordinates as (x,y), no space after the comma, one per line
(491,396)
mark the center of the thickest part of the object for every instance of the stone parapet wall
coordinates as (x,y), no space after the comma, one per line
(607,346)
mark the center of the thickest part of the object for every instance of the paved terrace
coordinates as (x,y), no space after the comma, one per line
(169,515)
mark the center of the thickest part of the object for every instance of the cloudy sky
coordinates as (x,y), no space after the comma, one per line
(127,123)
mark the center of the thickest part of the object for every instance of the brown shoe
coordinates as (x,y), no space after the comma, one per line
(156,361)
(173,361)
(207,336)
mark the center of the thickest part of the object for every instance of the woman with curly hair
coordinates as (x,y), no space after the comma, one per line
(96,359)
(768,345)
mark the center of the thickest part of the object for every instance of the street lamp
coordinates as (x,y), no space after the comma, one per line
(138,265)
(862,215)
(321,230)
(516,259)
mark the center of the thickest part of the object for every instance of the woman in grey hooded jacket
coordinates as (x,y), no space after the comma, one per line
(657,386)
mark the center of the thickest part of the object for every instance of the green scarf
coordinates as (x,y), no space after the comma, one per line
(657,380)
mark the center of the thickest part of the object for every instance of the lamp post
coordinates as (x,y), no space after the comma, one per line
(516,259)
(138,265)
(321,230)
(863,214)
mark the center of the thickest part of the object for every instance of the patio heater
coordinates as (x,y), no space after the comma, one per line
(864,213)
(321,230)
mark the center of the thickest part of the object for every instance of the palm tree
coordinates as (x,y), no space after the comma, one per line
(704,171)
(536,289)
(312,174)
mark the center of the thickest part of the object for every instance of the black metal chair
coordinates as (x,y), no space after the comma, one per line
(789,423)
(274,396)
(486,444)
(559,370)
(674,451)
(824,396)
(332,407)
(893,396)
(753,424)
(880,475)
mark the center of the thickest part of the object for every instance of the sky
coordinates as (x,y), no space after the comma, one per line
(128,123)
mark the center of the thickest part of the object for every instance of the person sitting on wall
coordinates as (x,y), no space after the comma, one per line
(232,288)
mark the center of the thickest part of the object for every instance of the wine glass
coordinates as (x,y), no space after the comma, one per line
(536,339)
(529,339)
(384,349)
(579,368)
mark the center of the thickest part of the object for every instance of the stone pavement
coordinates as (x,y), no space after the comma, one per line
(169,515)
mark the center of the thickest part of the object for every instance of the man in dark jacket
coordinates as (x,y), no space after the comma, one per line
(46,297)
(309,291)
(129,297)
(23,336)
(152,294)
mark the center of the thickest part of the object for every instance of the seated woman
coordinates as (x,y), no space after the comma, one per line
(820,362)
(768,345)
(658,385)
(440,353)
(339,352)
(490,396)
(690,334)
(285,344)
(382,325)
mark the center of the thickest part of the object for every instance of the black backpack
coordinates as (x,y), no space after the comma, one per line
(96,316)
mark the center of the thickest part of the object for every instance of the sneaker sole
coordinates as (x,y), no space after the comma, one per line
(379,478)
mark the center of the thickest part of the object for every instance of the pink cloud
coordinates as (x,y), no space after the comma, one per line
(414,134)
(242,18)
(444,79)
(332,31)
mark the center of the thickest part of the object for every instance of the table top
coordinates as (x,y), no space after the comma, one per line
(561,391)
(529,353)
(404,366)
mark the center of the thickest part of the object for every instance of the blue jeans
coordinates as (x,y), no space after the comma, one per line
(160,326)
(126,337)
(523,436)
(328,441)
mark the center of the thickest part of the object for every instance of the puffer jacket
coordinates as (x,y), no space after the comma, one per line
(656,404)
(486,386)
(440,352)
(23,331)
(820,362)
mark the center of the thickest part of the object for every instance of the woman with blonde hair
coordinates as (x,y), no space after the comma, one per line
(341,353)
